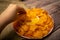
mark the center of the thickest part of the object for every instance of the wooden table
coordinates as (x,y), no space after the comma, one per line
(52,6)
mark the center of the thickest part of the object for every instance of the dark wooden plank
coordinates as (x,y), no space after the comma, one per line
(39,3)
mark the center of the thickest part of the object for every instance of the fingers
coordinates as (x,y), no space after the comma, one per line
(17,9)
(10,14)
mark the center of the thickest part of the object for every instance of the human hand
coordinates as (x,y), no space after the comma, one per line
(10,14)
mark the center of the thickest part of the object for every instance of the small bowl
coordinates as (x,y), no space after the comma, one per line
(16,26)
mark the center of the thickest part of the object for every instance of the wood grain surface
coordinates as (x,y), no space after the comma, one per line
(52,6)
